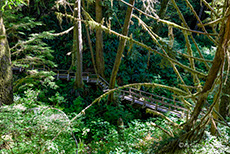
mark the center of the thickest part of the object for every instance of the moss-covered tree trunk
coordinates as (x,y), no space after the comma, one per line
(77,45)
(6,90)
(121,48)
(215,69)
(99,41)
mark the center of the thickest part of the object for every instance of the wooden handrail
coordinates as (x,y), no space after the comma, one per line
(154,100)
(165,98)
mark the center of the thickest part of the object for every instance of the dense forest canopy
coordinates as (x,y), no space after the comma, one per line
(124,76)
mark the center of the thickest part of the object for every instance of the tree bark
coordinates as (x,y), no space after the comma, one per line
(99,41)
(77,45)
(121,47)
(6,78)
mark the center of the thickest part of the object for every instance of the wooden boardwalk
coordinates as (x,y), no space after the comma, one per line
(154,102)
(135,96)
(68,75)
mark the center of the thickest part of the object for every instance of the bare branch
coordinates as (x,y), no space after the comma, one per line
(62,33)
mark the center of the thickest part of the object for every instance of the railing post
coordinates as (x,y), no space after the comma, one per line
(87,78)
(123,95)
(183,113)
(140,94)
(133,100)
(156,105)
(68,76)
(144,105)
(97,79)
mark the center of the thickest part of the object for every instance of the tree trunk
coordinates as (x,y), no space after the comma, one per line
(161,14)
(77,45)
(200,15)
(90,42)
(6,78)
(120,48)
(99,41)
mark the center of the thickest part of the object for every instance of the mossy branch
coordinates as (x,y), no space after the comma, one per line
(94,24)
(164,130)
(210,8)
(169,23)
(62,33)
(153,36)
(197,17)
(90,22)
(186,25)
(163,116)
(211,23)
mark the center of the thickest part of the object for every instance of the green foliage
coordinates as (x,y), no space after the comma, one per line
(76,106)
(137,137)
(112,113)
(30,125)
(30,98)
(211,144)
(42,83)
(37,80)
(27,129)
(10,4)
(57,99)
(27,47)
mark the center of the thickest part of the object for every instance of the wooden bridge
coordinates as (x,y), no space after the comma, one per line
(68,75)
(154,102)
(135,96)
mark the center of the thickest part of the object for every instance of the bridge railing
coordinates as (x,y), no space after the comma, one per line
(144,98)
(97,78)
(67,75)
(151,95)
(154,101)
